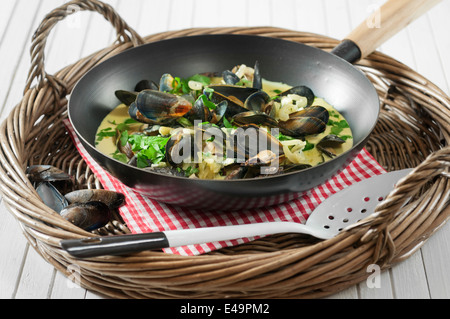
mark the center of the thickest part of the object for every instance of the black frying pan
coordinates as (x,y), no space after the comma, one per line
(331,76)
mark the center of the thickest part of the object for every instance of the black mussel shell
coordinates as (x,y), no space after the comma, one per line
(302,91)
(126,97)
(313,111)
(253,117)
(257,77)
(146,85)
(46,173)
(112,199)
(51,196)
(328,144)
(230,77)
(257,101)
(88,216)
(302,126)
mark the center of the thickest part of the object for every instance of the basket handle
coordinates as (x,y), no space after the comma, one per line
(37,71)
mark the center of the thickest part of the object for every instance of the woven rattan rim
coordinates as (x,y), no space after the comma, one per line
(413,131)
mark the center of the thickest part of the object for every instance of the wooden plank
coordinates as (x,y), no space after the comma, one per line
(13,43)
(436,258)
(103,36)
(409,279)
(424,47)
(337,18)
(284,15)
(12,253)
(438,19)
(205,13)
(310,16)
(181,13)
(63,288)
(155,17)
(259,12)
(6,14)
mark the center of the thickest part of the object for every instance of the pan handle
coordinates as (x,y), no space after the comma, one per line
(37,71)
(381,25)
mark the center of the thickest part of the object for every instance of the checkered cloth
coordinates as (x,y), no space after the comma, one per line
(143,214)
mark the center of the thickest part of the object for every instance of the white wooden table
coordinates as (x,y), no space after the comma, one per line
(424,45)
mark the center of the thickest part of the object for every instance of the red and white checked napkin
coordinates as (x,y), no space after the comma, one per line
(143,215)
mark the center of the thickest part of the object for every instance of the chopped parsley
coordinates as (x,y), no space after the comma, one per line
(148,149)
(337,126)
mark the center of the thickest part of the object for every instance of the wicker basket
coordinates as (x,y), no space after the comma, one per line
(413,131)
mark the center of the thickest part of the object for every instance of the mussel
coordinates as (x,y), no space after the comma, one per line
(301,90)
(88,216)
(248,141)
(111,198)
(329,143)
(254,117)
(51,196)
(299,127)
(145,85)
(313,111)
(126,97)
(61,181)
(46,173)
(159,106)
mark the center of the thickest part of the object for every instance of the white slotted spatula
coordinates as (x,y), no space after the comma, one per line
(337,212)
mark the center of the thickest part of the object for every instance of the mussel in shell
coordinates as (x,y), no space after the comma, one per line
(46,173)
(159,106)
(254,117)
(329,143)
(111,198)
(301,126)
(88,216)
(51,196)
(301,90)
(146,85)
(313,111)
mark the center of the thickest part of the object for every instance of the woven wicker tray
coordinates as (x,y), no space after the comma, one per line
(413,131)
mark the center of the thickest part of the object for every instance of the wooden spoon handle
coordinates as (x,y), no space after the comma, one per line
(382,24)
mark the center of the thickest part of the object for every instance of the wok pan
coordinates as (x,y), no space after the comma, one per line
(330,76)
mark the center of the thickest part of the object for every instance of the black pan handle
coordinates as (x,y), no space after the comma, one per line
(114,245)
(381,25)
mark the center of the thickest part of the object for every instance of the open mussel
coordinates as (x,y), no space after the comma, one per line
(301,90)
(329,143)
(249,141)
(146,85)
(243,73)
(230,78)
(201,112)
